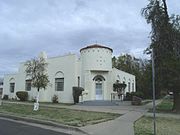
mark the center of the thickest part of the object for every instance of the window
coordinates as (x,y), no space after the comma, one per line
(129,87)
(28,85)
(133,86)
(59,84)
(12,86)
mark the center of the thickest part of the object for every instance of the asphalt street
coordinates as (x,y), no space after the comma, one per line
(13,128)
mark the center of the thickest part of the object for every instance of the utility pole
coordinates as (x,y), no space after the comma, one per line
(153,83)
(154,91)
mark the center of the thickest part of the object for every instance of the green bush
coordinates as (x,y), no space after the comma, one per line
(128,96)
(136,100)
(5,97)
(137,94)
(77,91)
(55,99)
(22,95)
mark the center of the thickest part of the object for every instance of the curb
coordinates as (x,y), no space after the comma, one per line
(43,122)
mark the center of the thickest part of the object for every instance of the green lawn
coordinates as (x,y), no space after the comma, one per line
(165,126)
(42,103)
(165,106)
(60,115)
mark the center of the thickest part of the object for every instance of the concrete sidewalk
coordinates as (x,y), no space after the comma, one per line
(124,125)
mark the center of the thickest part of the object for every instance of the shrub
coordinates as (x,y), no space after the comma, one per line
(136,100)
(55,99)
(22,95)
(77,91)
(5,97)
(137,94)
(128,96)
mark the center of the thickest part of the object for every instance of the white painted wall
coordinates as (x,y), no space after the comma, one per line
(124,77)
(6,86)
(92,62)
(96,59)
(66,64)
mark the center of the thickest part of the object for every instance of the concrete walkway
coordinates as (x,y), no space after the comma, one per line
(123,125)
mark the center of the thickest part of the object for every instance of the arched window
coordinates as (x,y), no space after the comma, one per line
(99,86)
(28,85)
(133,85)
(118,76)
(129,85)
(98,77)
(59,81)
(12,85)
(124,80)
(59,74)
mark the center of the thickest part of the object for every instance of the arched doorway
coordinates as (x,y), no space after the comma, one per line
(99,87)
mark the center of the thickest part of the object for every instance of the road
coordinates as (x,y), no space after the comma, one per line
(13,128)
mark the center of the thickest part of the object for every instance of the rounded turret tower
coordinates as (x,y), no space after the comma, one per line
(96,58)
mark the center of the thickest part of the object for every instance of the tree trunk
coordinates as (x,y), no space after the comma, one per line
(36,105)
(176,106)
(37,98)
(165,10)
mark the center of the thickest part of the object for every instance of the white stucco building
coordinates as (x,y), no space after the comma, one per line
(1,86)
(92,70)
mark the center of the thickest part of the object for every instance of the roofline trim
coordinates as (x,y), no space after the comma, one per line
(96,46)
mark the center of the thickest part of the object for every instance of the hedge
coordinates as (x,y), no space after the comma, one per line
(22,95)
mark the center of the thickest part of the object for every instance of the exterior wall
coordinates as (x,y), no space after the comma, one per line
(96,59)
(93,62)
(90,85)
(6,86)
(124,77)
(66,64)
(1,87)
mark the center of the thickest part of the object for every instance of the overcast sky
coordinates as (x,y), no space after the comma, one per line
(58,27)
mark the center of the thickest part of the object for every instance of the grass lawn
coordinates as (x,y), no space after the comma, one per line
(165,126)
(60,115)
(165,106)
(46,103)
(144,102)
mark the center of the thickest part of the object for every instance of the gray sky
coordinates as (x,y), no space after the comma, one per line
(62,26)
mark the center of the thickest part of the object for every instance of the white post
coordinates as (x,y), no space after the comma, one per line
(36,105)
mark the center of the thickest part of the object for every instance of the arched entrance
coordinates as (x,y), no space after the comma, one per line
(99,87)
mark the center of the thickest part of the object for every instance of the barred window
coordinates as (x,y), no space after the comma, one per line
(133,86)
(129,86)
(59,84)
(12,87)
(28,85)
